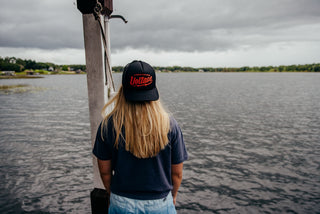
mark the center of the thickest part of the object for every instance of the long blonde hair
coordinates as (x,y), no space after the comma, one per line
(146,125)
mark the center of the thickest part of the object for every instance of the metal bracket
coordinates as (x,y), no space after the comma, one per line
(118,16)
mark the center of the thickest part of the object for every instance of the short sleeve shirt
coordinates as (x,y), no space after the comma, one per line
(140,178)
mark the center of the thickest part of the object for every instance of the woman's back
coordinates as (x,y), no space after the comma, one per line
(140,149)
(147,125)
(140,178)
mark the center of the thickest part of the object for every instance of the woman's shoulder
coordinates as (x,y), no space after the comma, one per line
(107,120)
(107,124)
(174,126)
(172,120)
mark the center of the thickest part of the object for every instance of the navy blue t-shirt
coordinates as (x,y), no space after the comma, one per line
(140,178)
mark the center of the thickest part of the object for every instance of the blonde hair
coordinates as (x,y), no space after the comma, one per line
(146,125)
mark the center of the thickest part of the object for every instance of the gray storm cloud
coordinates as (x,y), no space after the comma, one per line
(206,25)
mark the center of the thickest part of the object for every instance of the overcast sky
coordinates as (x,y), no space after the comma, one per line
(187,33)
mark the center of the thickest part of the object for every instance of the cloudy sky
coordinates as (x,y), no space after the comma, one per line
(187,33)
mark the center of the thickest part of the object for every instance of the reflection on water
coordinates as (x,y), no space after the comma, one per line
(253,143)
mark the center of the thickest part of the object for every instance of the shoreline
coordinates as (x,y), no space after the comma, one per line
(21,77)
(24,76)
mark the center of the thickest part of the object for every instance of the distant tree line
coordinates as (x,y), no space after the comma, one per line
(283,68)
(18,65)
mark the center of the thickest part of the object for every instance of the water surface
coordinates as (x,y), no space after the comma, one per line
(253,143)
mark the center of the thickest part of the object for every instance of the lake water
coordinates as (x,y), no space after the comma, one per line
(253,141)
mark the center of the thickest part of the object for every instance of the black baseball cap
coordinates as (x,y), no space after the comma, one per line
(139,82)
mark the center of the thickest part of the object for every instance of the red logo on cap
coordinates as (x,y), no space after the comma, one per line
(139,80)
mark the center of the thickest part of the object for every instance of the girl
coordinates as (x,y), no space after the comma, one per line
(139,147)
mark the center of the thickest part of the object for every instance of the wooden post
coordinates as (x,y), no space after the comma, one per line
(97,67)
(97,97)
(95,80)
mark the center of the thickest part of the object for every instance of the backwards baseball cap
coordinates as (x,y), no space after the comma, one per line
(139,82)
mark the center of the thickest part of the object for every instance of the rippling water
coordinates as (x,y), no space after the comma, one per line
(253,142)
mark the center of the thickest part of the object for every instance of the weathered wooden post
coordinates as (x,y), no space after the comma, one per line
(97,87)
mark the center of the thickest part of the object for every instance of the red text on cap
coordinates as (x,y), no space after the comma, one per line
(139,80)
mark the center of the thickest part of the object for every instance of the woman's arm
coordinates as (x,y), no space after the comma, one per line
(176,175)
(105,173)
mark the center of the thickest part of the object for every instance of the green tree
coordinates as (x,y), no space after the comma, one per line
(65,68)
(117,68)
(264,69)
(30,64)
(316,68)
(245,68)
(281,68)
(5,66)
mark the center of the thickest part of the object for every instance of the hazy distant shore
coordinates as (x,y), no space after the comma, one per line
(27,66)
